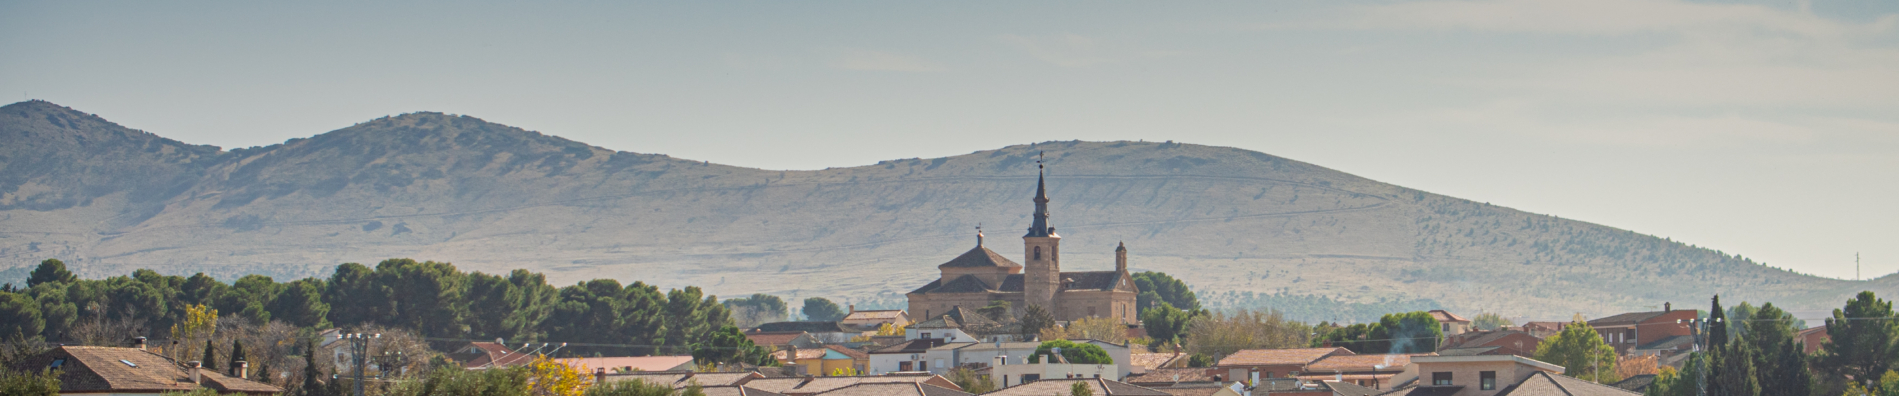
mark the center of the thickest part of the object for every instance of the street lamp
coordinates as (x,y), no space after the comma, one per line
(359,349)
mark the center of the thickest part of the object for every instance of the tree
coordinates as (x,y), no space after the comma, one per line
(197,325)
(1581,351)
(1158,287)
(1080,388)
(1074,352)
(759,308)
(50,271)
(20,317)
(210,359)
(1860,343)
(1490,321)
(1221,334)
(1717,324)
(727,346)
(510,308)
(1034,319)
(1095,328)
(547,377)
(237,355)
(997,310)
(1732,372)
(1167,324)
(1410,332)
(970,381)
(428,296)
(311,385)
(26,383)
(822,310)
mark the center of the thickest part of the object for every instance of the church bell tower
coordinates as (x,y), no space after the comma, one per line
(1042,268)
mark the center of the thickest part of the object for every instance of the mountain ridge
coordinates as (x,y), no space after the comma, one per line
(493,197)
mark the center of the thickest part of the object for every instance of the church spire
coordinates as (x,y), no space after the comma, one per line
(1040,227)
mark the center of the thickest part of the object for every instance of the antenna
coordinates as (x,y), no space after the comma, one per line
(1856,275)
(1038,158)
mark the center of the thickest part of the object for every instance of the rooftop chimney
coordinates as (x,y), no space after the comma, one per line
(1667,308)
(600,376)
(243,369)
(196,368)
(139,342)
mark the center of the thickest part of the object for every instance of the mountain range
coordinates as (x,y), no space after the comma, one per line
(1245,229)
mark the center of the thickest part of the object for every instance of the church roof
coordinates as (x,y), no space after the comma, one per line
(1091,280)
(1082,280)
(980,257)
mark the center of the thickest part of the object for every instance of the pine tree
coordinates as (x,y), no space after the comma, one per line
(210,356)
(311,386)
(1732,372)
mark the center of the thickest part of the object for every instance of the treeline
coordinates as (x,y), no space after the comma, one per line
(433,300)
(1313,308)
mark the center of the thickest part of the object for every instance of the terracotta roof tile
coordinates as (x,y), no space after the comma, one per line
(86,369)
(980,257)
(1273,357)
(1170,375)
(1350,363)
(875,315)
(773,338)
(1447,316)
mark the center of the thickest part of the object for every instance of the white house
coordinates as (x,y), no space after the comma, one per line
(1012,374)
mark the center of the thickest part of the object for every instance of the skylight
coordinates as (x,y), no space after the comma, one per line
(128,362)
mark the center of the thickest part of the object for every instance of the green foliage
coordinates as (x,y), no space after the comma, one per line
(1166,324)
(1158,287)
(1080,388)
(1679,383)
(237,355)
(210,359)
(997,310)
(1861,336)
(50,271)
(510,308)
(18,383)
(1074,352)
(971,382)
(1581,351)
(1717,324)
(728,345)
(821,309)
(1311,308)
(1200,360)
(1488,321)
(1034,319)
(20,317)
(455,381)
(633,387)
(1732,371)
(1410,332)
(759,308)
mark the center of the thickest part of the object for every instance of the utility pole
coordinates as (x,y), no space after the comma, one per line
(359,351)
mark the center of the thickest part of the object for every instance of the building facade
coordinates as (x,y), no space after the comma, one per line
(979,276)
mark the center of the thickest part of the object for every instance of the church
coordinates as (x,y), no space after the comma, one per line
(981,275)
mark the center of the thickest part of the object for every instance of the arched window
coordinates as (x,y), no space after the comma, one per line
(1038,252)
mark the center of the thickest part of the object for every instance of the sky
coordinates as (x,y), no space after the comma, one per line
(1768,129)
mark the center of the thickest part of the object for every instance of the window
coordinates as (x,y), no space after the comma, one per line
(1268,374)
(903,366)
(1441,378)
(923,366)
(1487,380)
(59,362)
(1447,327)
(1038,252)
(1629,335)
(926,335)
(1027,378)
(1091,311)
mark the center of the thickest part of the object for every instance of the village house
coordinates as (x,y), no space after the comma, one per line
(977,354)
(874,319)
(842,385)
(1488,375)
(818,332)
(1811,339)
(1629,331)
(1541,329)
(826,360)
(135,371)
(1061,386)
(1372,371)
(980,276)
(1450,323)
(1510,342)
(960,325)
(1242,365)
(906,357)
(1041,367)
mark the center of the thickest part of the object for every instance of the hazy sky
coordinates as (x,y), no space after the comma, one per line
(1768,129)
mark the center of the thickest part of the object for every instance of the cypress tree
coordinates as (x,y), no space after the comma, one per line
(1717,325)
(237,355)
(210,356)
(311,387)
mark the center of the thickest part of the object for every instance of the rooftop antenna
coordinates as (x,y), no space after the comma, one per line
(978,234)
(1856,275)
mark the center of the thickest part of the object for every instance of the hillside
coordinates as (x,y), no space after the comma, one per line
(489,197)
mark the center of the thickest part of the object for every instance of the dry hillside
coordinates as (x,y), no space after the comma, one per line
(1244,227)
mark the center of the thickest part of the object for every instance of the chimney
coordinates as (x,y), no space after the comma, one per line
(998,360)
(243,369)
(600,376)
(851,307)
(1666,307)
(139,342)
(196,367)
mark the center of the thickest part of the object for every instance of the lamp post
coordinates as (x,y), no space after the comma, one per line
(359,349)
(1696,327)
